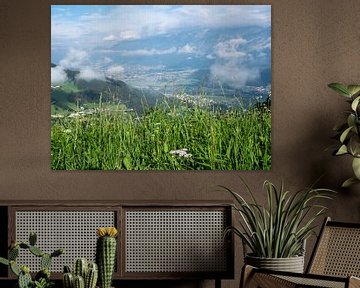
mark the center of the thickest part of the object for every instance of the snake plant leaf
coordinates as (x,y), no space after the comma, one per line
(355,103)
(340,88)
(342,150)
(349,182)
(353,89)
(345,134)
(356,167)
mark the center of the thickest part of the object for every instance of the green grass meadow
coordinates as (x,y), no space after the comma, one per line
(163,138)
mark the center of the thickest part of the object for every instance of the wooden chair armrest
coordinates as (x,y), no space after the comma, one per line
(246,273)
(354,282)
(254,277)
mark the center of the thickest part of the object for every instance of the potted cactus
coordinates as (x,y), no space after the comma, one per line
(42,278)
(84,275)
(106,254)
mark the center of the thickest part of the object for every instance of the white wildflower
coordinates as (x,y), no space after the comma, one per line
(74,115)
(181,153)
(57,116)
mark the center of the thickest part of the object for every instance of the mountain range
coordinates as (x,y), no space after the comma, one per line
(222,62)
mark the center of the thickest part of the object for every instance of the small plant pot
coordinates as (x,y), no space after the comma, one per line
(291,264)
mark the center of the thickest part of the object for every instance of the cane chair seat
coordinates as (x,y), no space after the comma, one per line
(335,262)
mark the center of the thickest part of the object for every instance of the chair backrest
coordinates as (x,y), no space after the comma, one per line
(337,251)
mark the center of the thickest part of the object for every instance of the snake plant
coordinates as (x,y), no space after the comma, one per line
(279,228)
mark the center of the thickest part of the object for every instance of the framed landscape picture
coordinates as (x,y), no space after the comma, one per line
(160,87)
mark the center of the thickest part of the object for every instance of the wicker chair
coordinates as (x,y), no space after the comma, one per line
(334,263)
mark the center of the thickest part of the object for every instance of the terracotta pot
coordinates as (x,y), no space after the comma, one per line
(291,264)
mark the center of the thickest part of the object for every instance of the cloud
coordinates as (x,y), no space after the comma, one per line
(93,23)
(230,48)
(221,16)
(110,37)
(147,52)
(233,62)
(188,49)
(78,60)
(234,74)
(107,60)
(129,35)
(115,70)
(261,44)
(88,73)
(58,75)
(66,30)
(74,59)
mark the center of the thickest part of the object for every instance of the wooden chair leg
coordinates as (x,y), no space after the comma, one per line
(217,282)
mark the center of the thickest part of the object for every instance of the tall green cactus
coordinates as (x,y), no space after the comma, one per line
(106,254)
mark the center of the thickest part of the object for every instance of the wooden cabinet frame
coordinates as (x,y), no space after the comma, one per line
(120,209)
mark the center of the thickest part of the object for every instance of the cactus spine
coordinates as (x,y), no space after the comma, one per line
(105,255)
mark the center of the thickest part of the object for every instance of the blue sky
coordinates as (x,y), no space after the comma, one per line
(78,32)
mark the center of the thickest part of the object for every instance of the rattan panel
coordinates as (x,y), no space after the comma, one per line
(75,231)
(313,282)
(338,253)
(175,241)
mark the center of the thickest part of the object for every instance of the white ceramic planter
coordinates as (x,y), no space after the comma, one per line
(291,264)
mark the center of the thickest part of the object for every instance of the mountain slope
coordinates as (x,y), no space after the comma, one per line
(79,92)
